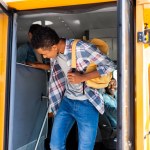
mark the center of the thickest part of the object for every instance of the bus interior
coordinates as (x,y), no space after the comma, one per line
(28,106)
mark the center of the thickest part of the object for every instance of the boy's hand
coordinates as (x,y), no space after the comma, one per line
(75,77)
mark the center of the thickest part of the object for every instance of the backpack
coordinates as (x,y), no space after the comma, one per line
(101,81)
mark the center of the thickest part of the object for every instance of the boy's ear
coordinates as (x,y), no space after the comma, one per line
(54,47)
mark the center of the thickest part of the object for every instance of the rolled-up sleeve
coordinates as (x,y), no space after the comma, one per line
(104,64)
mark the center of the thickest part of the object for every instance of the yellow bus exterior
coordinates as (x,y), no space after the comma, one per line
(3,60)
(142,63)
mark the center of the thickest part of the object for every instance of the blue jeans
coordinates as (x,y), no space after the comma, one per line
(86,116)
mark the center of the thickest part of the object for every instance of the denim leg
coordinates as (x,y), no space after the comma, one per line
(63,122)
(87,121)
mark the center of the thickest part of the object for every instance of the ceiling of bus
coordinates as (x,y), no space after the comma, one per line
(69,25)
(32,4)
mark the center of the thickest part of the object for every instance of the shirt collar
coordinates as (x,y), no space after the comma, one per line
(67,51)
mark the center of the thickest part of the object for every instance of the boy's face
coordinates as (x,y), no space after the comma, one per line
(48,53)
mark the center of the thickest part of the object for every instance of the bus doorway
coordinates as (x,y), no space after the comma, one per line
(81,22)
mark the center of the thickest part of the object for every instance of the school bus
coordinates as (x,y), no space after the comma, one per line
(123,24)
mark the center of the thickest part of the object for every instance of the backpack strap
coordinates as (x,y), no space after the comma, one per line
(73,54)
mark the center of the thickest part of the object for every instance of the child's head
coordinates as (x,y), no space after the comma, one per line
(45,41)
(112,87)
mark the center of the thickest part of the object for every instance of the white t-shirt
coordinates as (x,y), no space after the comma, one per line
(73,91)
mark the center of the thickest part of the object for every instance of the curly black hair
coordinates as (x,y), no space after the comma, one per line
(44,38)
(34,27)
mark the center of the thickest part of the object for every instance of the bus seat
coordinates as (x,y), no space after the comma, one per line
(28,108)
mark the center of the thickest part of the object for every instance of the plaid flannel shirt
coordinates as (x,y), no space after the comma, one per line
(85,53)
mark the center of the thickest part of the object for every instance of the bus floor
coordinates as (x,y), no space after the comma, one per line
(71,143)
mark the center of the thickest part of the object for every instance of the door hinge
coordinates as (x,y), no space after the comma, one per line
(144,37)
(140,37)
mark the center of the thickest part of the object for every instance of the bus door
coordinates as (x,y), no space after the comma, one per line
(23,89)
(125,129)
(5,65)
(142,94)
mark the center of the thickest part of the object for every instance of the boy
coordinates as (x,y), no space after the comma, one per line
(66,93)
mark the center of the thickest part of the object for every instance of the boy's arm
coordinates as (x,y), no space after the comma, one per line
(76,77)
(104,64)
(40,66)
